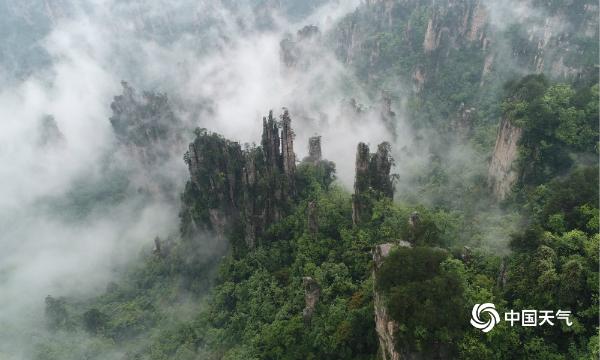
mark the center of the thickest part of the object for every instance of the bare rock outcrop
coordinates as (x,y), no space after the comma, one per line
(462,123)
(478,22)
(384,325)
(230,186)
(314,150)
(287,150)
(432,36)
(312,291)
(361,182)
(502,172)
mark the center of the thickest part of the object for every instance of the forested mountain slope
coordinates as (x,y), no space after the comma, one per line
(465,139)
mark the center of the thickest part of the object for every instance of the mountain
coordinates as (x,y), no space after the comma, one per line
(427,157)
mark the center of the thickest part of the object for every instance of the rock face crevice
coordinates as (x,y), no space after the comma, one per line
(502,171)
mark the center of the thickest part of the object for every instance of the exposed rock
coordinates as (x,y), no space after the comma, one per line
(218,221)
(299,51)
(270,142)
(432,40)
(478,22)
(150,137)
(314,150)
(287,150)
(386,113)
(324,169)
(463,122)
(162,248)
(380,253)
(502,173)
(380,170)
(466,254)
(414,220)
(418,79)
(384,325)
(487,67)
(312,291)
(448,27)
(372,175)
(559,68)
(386,10)
(146,125)
(156,250)
(234,188)
(502,275)
(361,182)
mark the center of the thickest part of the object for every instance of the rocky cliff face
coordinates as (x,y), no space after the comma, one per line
(361,183)
(423,43)
(287,151)
(312,291)
(543,38)
(240,190)
(384,325)
(502,173)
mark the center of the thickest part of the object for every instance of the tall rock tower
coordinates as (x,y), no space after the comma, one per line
(372,180)
(287,150)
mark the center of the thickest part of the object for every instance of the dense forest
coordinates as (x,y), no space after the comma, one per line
(484,189)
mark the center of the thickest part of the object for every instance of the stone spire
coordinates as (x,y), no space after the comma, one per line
(361,181)
(372,176)
(314,149)
(270,141)
(287,149)
(381,166)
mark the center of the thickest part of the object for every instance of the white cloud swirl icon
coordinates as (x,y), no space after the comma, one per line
(476,313)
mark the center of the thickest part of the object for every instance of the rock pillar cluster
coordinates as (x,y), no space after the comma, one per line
(234,188)
(373,179)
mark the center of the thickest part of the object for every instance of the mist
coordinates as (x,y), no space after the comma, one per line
(220,70)
(221,65)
